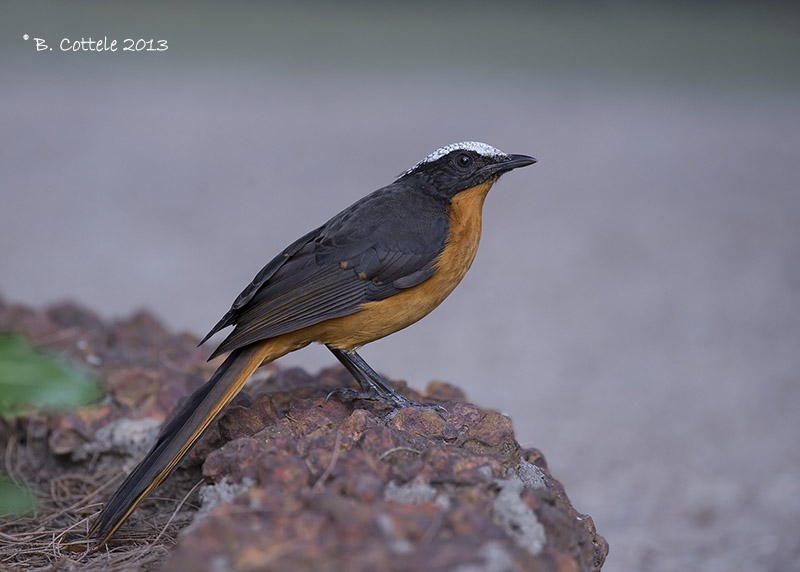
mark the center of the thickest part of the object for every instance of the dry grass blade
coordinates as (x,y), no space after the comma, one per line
(55,537)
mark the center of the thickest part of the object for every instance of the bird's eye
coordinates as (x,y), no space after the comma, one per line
(463,160)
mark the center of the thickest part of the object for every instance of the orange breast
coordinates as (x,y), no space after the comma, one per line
(379,319)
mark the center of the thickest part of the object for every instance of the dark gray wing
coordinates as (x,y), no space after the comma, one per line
(379,246)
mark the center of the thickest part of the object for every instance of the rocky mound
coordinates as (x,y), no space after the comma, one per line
(285,479)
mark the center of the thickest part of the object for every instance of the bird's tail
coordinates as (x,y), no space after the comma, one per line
(178,436)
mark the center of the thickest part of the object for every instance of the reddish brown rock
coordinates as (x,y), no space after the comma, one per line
(295,481)
(409,494)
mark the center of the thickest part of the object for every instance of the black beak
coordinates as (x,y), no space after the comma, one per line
(511,162)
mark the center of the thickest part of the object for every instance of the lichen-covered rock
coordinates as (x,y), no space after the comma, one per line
(295,480)
(337,488)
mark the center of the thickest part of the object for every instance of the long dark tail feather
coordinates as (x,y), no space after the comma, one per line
(177,437)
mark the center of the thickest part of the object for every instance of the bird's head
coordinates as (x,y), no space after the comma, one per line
(459,166)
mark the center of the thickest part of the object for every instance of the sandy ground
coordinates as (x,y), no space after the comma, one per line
(634,307)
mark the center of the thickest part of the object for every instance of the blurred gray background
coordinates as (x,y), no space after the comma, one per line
(635,305)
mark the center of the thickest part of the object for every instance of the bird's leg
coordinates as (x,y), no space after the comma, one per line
(373,386)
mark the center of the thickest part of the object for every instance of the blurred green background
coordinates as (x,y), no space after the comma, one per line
(634,306)
(705,44)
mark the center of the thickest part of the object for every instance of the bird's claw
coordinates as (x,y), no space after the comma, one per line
(393,401)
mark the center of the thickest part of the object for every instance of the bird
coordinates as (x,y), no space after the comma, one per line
(377,267)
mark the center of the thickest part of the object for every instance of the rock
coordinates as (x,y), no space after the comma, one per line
(296,481)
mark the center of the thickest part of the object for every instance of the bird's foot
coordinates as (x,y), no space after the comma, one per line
(393,401)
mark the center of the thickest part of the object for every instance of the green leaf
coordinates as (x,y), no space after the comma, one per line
(15,501)
(31,379)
